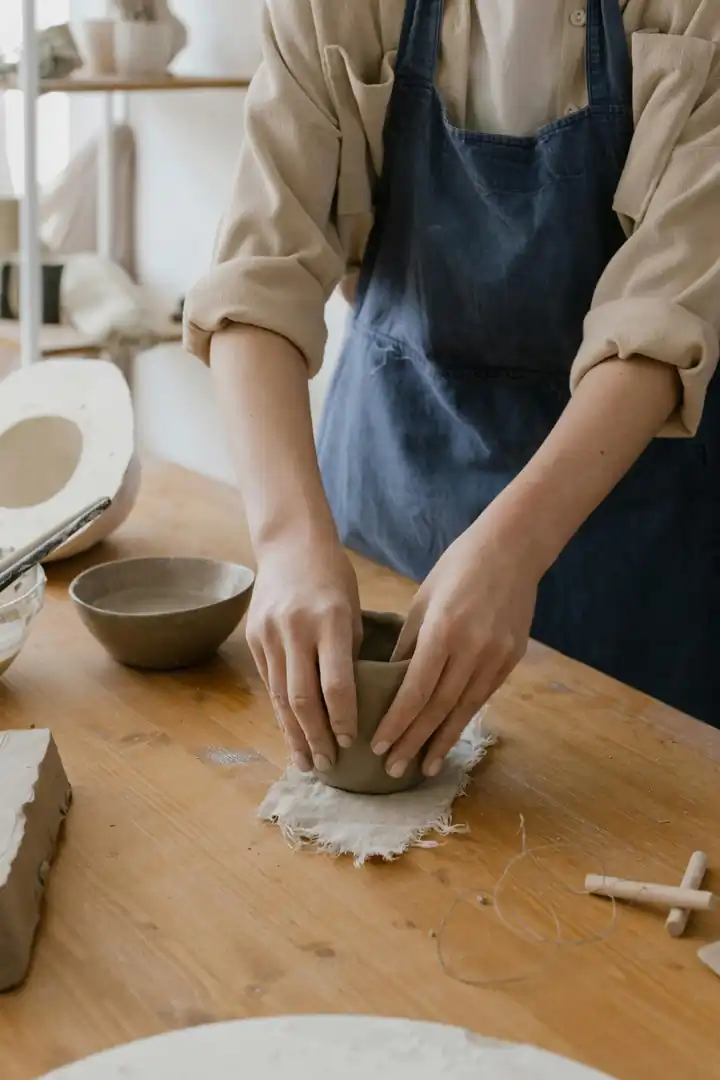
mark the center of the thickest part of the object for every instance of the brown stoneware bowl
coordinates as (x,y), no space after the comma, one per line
(377,679)
(160,613)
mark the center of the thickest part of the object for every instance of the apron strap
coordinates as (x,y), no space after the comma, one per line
(607,60)
(419,46)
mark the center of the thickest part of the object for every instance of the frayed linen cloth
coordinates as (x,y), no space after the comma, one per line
(374,826)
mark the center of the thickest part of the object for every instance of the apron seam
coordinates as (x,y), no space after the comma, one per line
(610,110)
(403,350)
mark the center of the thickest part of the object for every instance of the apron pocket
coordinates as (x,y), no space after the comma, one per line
(361,108)
(669,74)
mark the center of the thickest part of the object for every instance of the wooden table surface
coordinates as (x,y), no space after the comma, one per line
(172,905)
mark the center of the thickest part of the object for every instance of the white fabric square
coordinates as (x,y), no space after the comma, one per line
(374,826)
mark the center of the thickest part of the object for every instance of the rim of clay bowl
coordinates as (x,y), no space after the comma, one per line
(34,579)
(240,591)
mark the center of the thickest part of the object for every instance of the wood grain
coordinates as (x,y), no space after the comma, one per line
(172,905)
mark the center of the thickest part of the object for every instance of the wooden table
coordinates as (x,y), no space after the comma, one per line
(171,905)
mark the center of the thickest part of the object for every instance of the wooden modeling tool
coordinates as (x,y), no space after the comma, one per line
(648,893)
(677,920)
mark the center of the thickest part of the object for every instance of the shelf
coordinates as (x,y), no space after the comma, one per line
(110,84)
(66,341)
(54,340)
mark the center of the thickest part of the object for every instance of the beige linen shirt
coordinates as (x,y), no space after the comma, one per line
(302,210)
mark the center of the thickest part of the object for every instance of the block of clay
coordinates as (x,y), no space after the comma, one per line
(34,801)
(378,680)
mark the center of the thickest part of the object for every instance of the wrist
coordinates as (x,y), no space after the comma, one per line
(520,526)
(295,526)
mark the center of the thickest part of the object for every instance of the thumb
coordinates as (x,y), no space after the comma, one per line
(408,636)
(357,632)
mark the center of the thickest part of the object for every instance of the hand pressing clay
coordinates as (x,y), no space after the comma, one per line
(378,680)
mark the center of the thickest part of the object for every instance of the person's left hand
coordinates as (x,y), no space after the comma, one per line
(467,629)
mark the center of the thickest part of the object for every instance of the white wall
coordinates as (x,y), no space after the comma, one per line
(53,111)
(187,143)
(187,148)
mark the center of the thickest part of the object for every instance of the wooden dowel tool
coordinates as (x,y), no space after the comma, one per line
(644,892)
(677,920)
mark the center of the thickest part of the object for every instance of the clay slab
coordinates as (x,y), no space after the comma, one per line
(34,801)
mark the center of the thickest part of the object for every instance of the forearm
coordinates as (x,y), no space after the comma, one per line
(617,409)
(262,387)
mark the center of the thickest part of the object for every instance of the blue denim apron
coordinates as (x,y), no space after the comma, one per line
(480,269)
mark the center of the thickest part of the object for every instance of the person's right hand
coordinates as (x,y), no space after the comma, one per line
(304,630)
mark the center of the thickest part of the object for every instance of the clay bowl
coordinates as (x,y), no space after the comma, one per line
(18,607)
(377,680)
(162,614)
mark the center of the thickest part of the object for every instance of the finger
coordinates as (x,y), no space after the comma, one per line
(447,694)
(358,633)
(407,640)
(424,673)
(257,652)
(450,732)
(304,699)
(337,678)
(274,661)
(446,737)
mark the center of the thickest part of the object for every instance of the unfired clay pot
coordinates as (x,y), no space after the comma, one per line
(98,46)
(358,769)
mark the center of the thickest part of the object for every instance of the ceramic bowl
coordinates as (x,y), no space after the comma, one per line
(18,607)
(144,49)
(162,613)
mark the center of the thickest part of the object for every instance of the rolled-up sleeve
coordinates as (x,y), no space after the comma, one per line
(278,257)
(660,296)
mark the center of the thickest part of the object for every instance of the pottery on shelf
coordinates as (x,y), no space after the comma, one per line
(144,49)
(148,37)
(378,679)
(97,45)
(180,31)
(162,613)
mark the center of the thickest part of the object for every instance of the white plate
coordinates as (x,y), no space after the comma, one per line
(325,1048)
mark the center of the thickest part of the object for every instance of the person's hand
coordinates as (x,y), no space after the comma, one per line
(304,628)
(466,631)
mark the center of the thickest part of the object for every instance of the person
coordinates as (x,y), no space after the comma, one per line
(522,201)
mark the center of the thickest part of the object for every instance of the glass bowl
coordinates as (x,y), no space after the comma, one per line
(18,607)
